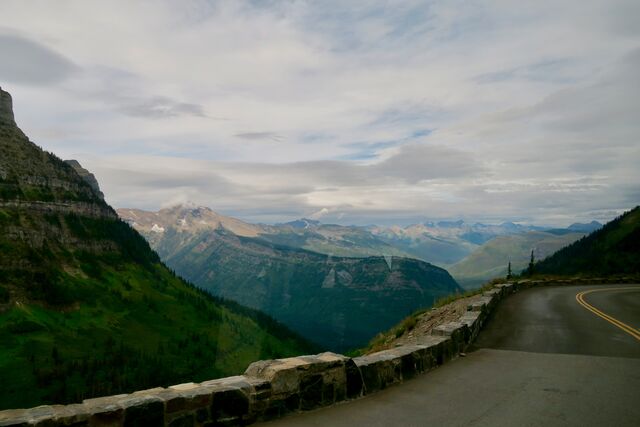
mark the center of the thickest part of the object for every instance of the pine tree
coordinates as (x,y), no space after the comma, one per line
(532,261)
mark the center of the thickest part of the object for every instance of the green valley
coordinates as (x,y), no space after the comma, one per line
(338,302)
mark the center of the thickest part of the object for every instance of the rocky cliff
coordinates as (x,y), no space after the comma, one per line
(6,108)
(86,175)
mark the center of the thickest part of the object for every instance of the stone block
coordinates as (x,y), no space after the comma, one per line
(283,374)
(229,405)
(14,417)
(411,360)
(459,334)
(105,411)
(506,287)
(17,421)
(149,392)
(45,415)
(479,305)
(473,320)
(141,411)
(184,398)
(301,382)
(354,380)
(379,370)
(186,420)
(492,297)
(447,329)
(434,350)
(279,406)
(470,318)
(76,415)
(311,392)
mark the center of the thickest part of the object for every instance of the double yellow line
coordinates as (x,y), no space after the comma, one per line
(628,329)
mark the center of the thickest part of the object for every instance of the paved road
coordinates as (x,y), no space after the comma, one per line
(550,320)
(543,359)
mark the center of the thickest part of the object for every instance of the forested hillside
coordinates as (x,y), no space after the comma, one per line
(87,308)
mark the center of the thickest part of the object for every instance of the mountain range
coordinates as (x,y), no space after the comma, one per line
(472,252)
(87,308)
(338,302)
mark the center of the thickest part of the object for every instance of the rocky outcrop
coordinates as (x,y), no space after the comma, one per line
(78,208)
(6,108)
(87,176)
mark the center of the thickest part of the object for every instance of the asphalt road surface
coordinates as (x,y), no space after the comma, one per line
(550,356)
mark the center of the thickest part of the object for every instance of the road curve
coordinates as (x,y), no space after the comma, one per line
(543,359)
(551,320)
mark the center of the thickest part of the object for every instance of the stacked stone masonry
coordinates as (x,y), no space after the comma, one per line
(273,388)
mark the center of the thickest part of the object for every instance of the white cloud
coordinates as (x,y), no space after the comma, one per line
(373,111)
(319,214)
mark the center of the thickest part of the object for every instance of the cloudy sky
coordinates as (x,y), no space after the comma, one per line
(352,112)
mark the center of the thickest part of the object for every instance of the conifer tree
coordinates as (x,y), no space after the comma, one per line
(532,261)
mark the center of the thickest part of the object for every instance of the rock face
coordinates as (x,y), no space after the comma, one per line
(28,174)
(86,175)
(6,108)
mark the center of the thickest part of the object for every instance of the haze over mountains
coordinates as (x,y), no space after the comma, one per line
(472,252)
(87,308)
(492,258)
(338,302)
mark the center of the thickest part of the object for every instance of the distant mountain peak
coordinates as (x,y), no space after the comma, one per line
(187,217)
(591,226)
(510,225)
(303,223)
(450,224)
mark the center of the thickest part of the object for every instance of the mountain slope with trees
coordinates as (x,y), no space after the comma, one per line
(613,249)
(87,308)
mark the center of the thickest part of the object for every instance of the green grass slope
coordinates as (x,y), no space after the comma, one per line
(88,309)
(614,249)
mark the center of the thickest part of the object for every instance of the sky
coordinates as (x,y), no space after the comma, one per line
(357,112)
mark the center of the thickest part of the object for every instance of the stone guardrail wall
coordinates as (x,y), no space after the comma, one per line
(272,388)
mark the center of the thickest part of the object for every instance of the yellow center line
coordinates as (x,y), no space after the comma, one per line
(628,329)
